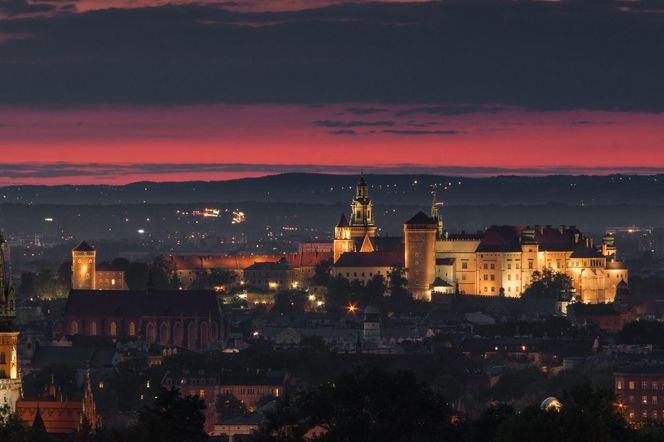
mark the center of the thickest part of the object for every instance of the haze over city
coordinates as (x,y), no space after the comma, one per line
(331,220)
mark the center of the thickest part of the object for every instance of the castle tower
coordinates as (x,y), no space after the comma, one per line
(10,375)
(83,265)
(342,238)
(361,212)
(420,259)
(609,246)
(437,216)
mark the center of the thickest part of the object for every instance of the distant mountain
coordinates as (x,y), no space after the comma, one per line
(386,189)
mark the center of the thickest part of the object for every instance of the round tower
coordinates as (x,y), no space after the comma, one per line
(83,265)
(420,254)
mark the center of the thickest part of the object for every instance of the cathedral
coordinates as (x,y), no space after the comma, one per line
(499,261)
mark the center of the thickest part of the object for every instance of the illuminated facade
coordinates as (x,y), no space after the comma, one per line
(499,261)
(86,275)
(356,235)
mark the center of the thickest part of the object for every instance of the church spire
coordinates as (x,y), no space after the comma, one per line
(7,295)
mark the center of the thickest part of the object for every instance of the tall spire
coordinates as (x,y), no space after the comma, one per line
(7,295)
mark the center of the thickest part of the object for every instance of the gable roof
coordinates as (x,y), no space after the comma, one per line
(343,222)
(83,246)
(138,303)
(371,259)
(421,218)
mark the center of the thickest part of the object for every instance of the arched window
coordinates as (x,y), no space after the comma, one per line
(132,329)
(113,329)
(177,334)
(93,328)
(150,333)
(73,328)
(204,335)
(191,336)
(163,333)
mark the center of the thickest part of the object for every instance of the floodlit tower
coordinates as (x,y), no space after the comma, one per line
(83,266)
(420,259)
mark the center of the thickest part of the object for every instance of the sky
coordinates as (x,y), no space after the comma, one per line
(115,91)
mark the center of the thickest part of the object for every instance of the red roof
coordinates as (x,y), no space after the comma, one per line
(393,258)
(239,262)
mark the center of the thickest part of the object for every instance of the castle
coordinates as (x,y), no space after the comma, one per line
(499,261)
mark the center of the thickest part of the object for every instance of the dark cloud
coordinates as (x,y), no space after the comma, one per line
(343,132)
(449,110)
(591,123)
(574,54)
(336,123)
(18,7)
(422,132)
(366,110)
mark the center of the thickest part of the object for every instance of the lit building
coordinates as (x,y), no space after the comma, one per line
(640,393)
(86,275)
(356,235)
(58,415)
(498,261)
(279,275)
(188,319)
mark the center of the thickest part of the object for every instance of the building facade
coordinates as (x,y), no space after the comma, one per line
(499,261)
(187,319)
(640,393)
(86,275)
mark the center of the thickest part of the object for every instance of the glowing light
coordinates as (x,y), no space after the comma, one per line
(352,308)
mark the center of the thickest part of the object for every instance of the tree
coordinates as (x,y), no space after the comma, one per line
(289,301)
(28,286)
(171,418)
(214,278)
(397,284)
(375,290)
(548,284)
(136,275)
(586,414)
(228,406)
(368,405)
(338,293)
(322,273)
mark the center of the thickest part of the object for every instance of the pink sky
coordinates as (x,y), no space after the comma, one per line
(288,135)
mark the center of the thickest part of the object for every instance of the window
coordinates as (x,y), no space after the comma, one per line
(74,328)
(644,399)
(653,400)
(655,385)
(493,266)
(93,328)
(486,289)
(463,277)
(493,277)
(632,385)
(486,266)
(486,277)
(509,266)
(464,265)
(619,385)
(113,329)
(530,264)
(509,277)
(132,329)
(644,385)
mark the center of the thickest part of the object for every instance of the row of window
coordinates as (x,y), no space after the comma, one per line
(645,385)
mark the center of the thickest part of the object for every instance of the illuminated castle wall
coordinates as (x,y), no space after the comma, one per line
(499,260)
